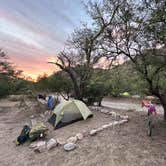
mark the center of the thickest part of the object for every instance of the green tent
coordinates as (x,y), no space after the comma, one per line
(68,112)
(126,94)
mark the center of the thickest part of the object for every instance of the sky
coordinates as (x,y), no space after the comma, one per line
(33,32)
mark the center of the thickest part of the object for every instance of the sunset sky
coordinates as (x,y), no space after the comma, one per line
(34,31)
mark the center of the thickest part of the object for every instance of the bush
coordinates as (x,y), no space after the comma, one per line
(95,93)
(4,88)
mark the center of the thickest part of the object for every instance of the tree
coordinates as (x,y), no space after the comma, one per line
(83,51)
(138,32)
(6,68)
(10,81)
(6,71)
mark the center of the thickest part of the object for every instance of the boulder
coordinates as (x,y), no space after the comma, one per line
(72,140)
(69,146)
(51,144)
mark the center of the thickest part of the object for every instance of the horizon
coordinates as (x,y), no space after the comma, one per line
(33,32)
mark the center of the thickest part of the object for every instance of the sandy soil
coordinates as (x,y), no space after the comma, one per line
(125,145)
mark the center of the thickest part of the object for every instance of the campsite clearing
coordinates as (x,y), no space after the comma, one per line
(124,145)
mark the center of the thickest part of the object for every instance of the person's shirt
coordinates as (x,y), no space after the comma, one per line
(152,108)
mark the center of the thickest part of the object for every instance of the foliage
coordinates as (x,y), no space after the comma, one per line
(138,32)
(10,82)
(58,82)
(4,87)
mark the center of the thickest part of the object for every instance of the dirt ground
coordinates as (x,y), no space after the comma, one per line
(124,145)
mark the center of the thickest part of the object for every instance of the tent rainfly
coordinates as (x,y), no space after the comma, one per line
(68,112)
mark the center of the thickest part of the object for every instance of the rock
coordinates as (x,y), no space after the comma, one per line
(124,117)
(95,108)
(72,140)
(105,126)
(110,124)
(60,141)
(79,136)
(123,121)
(39,146)
(113,114)
(104,111)
(99,129)
(115,123)
(93,132)
(46,113)
(32,116)
(69,146)
(51,144)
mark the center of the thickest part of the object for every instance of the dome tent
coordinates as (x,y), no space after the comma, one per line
(68,112)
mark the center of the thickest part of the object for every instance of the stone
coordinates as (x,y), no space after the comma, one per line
(115,123)
(39,146)
(79,136)
(99,129)
(105,126)
(104,111)
(123,121)
(113,114)
(72,140)
(95,108)
(32,116)
(93,132)
(124,117)
(51,144)
(60,141)
(69,146)
(110,124)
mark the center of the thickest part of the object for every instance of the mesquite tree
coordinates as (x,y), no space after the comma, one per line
(138,32)
(83,50)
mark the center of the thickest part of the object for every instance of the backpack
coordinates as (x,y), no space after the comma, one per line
(24,136)
(37,132)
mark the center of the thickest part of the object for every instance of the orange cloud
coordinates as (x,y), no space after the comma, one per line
(34,68)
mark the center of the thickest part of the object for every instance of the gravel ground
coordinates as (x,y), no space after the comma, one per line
(124,145)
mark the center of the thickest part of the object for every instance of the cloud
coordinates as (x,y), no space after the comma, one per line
(32,31)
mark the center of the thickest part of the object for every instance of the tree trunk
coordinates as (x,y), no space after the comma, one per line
(163,102)
(76,87)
